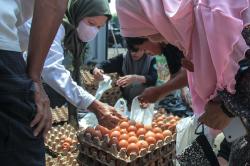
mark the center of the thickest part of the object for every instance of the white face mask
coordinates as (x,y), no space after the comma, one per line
(86,32)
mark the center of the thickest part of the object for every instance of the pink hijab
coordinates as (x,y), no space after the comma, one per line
(207,31)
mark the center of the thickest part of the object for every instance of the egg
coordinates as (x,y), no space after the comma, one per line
(159,136)
(124,137)
(167,133)
(123,144)
(115,134)
(142,144)
(160,123)
(117,128)
(130,134)
(132,128)
(151,140)
(160,119)
(98,134)
(113,140)
(148,127)
(90,130)
(103,130)
(141,131)
(172,121)
(123,131)
(133,139)
(124,125)
(149,134)
(157,130)
(132,123)
(132,148)
(139,125)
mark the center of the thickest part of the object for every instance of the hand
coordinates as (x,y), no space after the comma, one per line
(187,64)
(126,80)
(98,74)
(106,115)
(150,95)
(214,116)
(43,119)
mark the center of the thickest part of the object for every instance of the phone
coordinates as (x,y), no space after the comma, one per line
(234,130)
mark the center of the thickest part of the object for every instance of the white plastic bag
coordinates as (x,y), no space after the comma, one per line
(141,115)
(185,133)
(104,85)
(121,107)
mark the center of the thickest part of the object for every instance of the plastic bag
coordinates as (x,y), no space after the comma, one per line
(87,119)
(103,86)
(121,107)
(141,115)
(185,133)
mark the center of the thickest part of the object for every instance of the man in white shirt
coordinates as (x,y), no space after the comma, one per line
(24,107)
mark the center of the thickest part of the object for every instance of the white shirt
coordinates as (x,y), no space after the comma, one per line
(13,13)
(54,73)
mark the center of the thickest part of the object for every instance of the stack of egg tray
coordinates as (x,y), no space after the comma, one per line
(99,153)
(110,96)
(59,115)
(56,155)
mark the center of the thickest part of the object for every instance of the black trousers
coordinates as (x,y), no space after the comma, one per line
(18,146)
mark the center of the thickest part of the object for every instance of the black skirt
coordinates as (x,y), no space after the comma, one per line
(18,146)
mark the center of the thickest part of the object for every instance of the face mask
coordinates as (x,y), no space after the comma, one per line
(86,32)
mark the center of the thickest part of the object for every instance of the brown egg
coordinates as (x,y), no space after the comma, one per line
(117,128)
(123,144)
(130,134)
(166,126)
(160,119)
(133,139)
(90,130)
(132,128)
(167,133)
(151,140)
(139,125)
(132,148)
(124,137)
(159,136)
(142,144)
(123,131)
(141,131)
(124,125)
(132,123)
(172,121)
(115,134)
(98,134)
(103,130)
(149,134)
(157,130)
(113,140)
(160,123)
(148,127)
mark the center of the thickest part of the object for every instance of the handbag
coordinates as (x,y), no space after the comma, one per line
(199,152)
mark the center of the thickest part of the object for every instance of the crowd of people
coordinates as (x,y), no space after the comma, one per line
(205,44)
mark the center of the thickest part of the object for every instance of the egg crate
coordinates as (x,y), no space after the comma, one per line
(70,159)
(110,96)
(61,140)
(59,114)
(103,153)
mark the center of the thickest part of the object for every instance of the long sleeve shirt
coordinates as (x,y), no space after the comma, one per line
(55,74)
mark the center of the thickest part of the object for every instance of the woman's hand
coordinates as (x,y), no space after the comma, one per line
(106,115)
(150,95)
(98,74)
(126,80)
(187,64)
(214,116)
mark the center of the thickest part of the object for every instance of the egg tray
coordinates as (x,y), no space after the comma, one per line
(100,151)
(110,96)
(70,159)
(53,140)
(59,115)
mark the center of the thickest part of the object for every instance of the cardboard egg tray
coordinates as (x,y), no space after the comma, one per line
(56,137)
(62,160)
(110,96)
(98,150)
(59,114)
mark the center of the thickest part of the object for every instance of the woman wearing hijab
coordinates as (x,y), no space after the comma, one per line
(81,23)
(136,70)
(209,34)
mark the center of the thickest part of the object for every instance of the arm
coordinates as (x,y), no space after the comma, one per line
(152,94)
(49,13)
